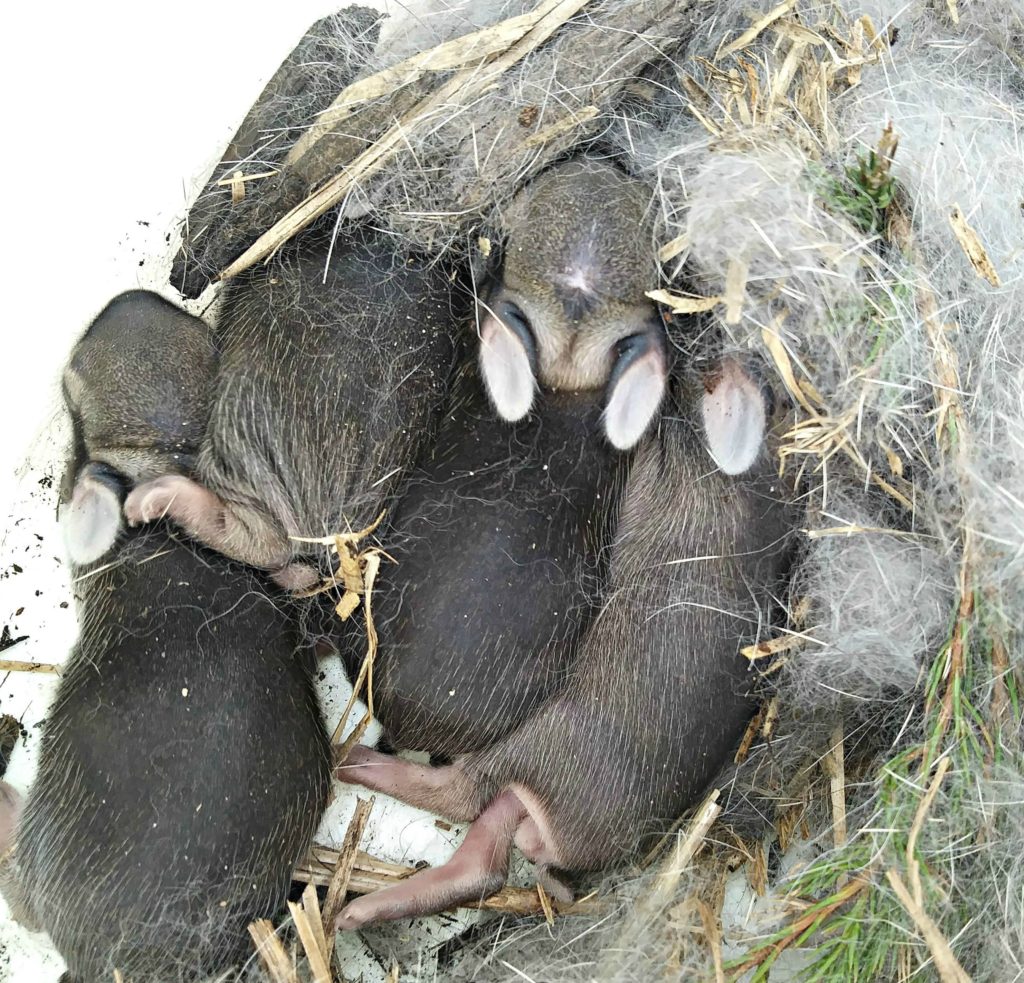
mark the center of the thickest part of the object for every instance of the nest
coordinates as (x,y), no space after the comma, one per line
(839,190)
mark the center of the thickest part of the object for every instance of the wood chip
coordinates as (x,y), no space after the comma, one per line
(272,953)
(673,248)
(685,849)
(311,935)
(237,187)
(953,13)
(972,247)
(339,883)
(795,31)
(683,303)
(856,50)
(748,736)
(739,94)
(756,28)
(773,646)
(12,665)
(545,904)
(783,79)
(348,605)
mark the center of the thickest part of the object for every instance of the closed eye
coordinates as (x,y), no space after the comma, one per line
(517,322)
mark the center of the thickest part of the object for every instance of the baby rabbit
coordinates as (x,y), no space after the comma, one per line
(184,765)
(656,699)
(498,538)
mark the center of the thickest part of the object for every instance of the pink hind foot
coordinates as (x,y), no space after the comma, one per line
(242,532)
(447,790)
(477,870)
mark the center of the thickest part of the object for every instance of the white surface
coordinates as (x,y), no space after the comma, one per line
(116,113)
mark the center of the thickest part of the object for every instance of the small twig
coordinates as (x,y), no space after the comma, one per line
(371,874)
(677,862)
(755,29)
(655,851)
(243,178)
(773,646)
(545,904)
(753,728)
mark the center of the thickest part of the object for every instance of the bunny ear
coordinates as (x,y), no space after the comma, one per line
(506,364)
(735,418)
(92,521)
(635,389)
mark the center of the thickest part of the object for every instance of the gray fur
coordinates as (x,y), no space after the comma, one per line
(333,366)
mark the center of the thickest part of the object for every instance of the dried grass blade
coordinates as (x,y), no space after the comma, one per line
(755,29)
(457,53)
(681,303)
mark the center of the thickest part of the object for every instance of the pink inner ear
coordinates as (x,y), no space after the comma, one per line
(734,419)
(505,367)
(635,399)
(93,520)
